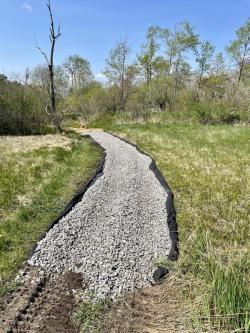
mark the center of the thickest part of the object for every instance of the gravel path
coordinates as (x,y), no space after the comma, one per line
(116,232)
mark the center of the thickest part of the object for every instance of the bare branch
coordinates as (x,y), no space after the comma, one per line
(59,30)
(42,52)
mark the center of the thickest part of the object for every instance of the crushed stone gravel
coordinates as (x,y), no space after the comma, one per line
(114,235)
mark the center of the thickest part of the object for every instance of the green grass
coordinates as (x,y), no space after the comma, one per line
(36,184)
(89,316)
(207,168)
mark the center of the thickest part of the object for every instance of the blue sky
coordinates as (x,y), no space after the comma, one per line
(91,27)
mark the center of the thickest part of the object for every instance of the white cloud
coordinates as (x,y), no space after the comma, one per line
(27,7)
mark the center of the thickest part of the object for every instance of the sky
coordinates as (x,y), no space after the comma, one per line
(91,28)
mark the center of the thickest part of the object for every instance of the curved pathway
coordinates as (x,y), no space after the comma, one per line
(116,232)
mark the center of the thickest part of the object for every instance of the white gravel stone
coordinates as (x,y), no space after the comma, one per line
(118,229)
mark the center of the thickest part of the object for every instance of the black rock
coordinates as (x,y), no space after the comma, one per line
(159,273)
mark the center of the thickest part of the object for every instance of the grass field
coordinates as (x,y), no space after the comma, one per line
(208,170)
(38,177)
(207,167)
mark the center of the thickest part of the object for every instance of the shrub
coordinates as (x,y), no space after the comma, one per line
(21,110)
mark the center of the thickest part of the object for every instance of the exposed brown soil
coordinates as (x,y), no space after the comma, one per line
(42,304)
(158,309)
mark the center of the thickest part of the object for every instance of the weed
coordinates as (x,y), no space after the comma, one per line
(164,262)
(88,316)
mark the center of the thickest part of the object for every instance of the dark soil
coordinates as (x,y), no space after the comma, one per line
(42,304)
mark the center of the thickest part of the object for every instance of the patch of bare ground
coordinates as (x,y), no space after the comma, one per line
(45,304)
(158,309)
(41,304)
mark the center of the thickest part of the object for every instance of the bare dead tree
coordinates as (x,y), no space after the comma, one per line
(51,106)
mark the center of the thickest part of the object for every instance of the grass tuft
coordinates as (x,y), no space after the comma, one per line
(89,316)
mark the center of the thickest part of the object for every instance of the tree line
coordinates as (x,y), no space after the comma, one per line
(161,79)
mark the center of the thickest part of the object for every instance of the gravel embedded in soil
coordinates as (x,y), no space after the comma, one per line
(116,232)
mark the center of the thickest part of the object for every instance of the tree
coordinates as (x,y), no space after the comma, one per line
(3,78)
(78,70)
(239,48)
(148,60)
(39,77)
(119,72)
(61,81)
(218,65)
(177,43)
(169,40)
(204,59)
(51,108)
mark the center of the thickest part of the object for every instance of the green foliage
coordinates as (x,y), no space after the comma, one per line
(120,74)
(106,120)
(239,48)
(189,111)
(204,59)
(85,103)
(218,65)
(155,94)
(148,61)
(89,315)
(206,112)
(214,86)
(21,110)
(78,71)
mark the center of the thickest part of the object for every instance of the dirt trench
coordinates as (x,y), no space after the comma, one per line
(41,304)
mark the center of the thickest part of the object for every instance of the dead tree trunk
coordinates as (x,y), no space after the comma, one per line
(51,107)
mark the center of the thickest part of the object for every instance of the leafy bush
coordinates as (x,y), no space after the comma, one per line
(21,110)
(85,102)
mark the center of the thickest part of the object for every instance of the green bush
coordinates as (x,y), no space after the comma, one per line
(22,110)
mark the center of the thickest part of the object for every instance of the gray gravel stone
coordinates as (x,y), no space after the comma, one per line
(118,229)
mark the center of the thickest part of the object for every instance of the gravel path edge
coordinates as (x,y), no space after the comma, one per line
(77,197)
(171,218)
